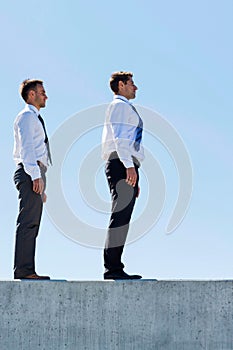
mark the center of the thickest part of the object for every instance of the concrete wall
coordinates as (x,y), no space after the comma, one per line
(130,315)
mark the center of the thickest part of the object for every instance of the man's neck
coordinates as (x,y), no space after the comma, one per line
(119,96)
(34,107)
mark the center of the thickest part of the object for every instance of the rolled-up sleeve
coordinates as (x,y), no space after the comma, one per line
(26,132)
(123,132)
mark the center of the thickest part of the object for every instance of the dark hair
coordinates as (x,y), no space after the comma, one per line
(119,76)
(27,85)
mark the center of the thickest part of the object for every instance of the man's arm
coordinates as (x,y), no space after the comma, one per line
(26,131)
(121,131)
(121,128)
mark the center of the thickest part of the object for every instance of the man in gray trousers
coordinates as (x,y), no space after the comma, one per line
(31,155)
(123,152)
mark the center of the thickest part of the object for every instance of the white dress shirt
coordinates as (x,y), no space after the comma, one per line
(119,132)
(29,145)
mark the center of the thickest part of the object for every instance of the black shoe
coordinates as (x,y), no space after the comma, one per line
(120,275)
(34,276)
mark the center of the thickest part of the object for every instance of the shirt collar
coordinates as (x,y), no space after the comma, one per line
(121,98)
(32,108)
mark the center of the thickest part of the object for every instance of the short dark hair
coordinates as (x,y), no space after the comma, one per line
(27,85)
(119,76)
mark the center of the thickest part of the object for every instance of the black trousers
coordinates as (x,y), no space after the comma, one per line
(123,200)
(28,223)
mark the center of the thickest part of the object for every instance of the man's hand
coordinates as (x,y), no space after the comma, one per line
(131,176)
(44,197)
(38,185)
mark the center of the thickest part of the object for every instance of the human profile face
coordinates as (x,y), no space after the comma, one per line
(37,97)
(128,89)
(40,96)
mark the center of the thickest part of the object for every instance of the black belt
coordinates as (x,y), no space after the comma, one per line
(114,155)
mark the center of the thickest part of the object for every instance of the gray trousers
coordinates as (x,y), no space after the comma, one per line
(28,223)
(123,200)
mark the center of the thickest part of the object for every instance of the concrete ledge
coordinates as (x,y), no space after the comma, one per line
(130,315)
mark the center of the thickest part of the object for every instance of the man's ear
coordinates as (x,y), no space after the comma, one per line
(120,85)
(31,95)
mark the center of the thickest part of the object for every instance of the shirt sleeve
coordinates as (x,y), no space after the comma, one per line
(26,131)
(122,132)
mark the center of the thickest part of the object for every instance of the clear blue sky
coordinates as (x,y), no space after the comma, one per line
(181,54)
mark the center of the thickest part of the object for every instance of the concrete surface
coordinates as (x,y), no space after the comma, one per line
(130,315)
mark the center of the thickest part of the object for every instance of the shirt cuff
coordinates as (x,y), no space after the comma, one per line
(127,163)
(33,171)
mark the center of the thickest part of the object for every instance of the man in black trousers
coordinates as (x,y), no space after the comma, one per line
(31,155)
(123,152)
